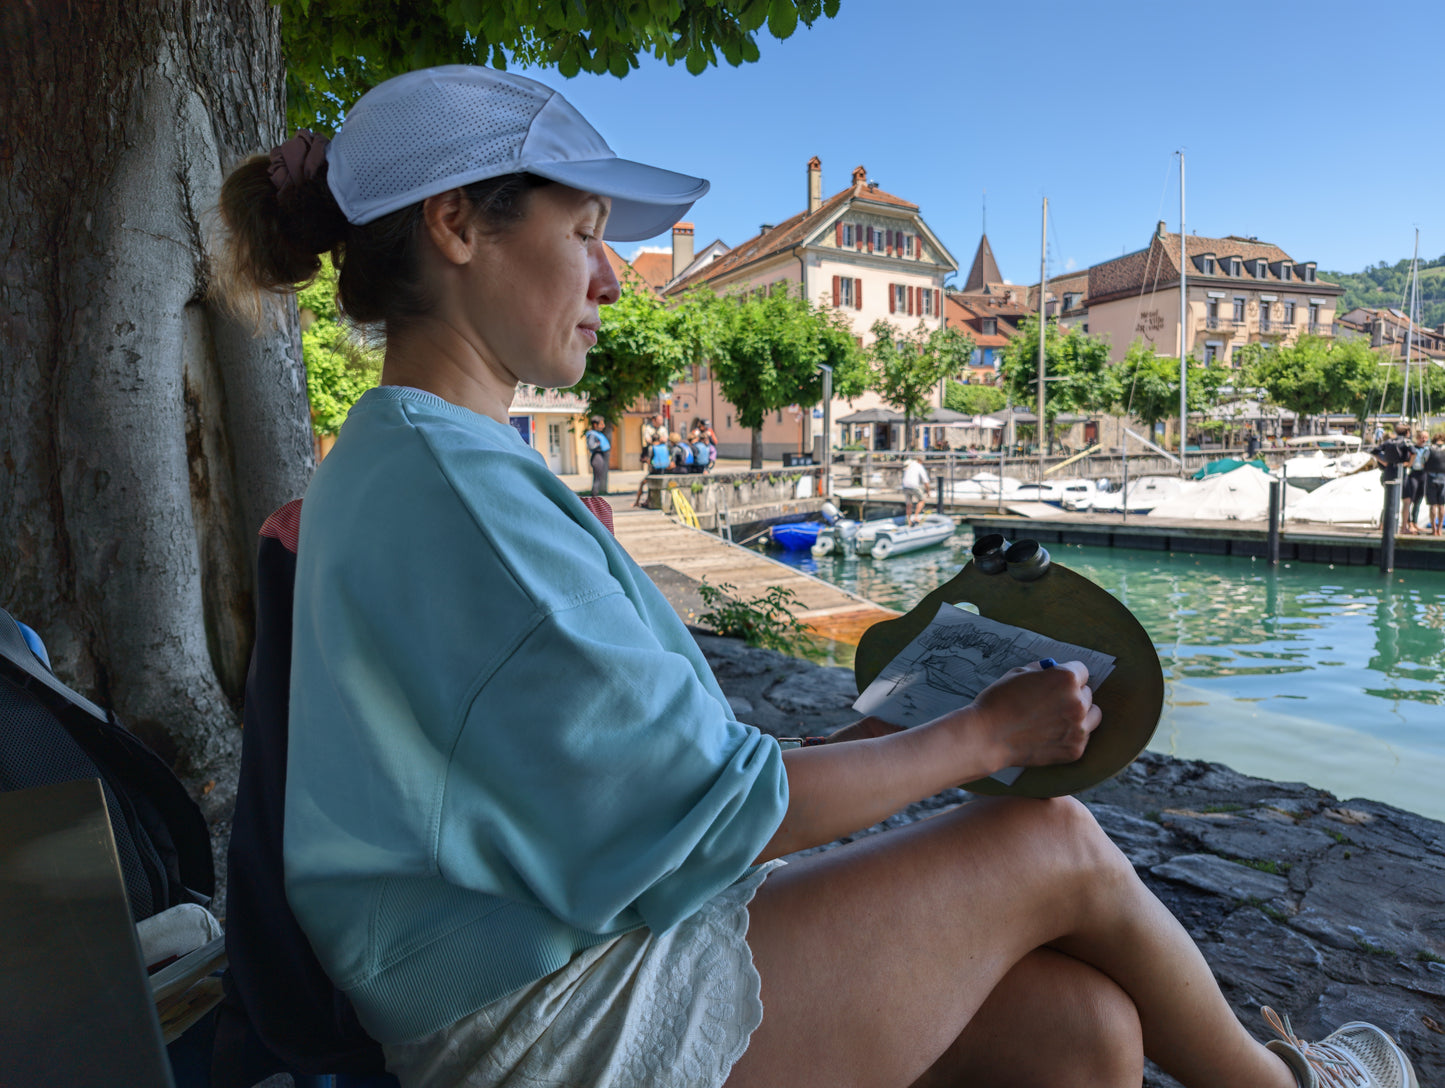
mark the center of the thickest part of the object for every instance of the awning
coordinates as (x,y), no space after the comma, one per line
(873,415)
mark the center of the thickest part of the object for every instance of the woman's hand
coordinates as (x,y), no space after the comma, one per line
(1033,716)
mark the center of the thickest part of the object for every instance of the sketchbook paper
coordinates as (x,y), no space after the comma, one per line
(954,658)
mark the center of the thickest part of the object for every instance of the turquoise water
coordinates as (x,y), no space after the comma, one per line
(1333,676)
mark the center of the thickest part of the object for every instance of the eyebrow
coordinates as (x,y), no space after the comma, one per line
(603,211)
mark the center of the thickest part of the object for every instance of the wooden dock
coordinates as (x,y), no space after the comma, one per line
(678,559)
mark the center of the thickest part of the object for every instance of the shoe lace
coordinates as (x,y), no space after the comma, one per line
(1337,1067)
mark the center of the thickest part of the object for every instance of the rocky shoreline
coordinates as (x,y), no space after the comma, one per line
(1330,910)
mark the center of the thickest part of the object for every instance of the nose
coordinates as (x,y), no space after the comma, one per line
(604,287)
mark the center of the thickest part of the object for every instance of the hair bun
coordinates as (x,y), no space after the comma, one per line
(310,214)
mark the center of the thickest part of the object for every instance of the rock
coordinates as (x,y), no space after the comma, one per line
(820,689)
(1213,874)
(1144,842)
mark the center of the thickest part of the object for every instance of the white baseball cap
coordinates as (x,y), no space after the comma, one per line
(436,129)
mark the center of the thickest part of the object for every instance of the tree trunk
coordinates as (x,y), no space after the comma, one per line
(144,436)
(757,448)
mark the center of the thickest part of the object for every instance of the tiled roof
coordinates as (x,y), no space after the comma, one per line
(984,269)
(655,268)
(963,313)
(787,234)
(625,272)
(1157,265)
(1071,283)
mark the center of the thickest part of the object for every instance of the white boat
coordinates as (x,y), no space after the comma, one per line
(982,487)
(1325,457)
(894,536)
(1059,492)
(1348,500)
(1141,496)
(1241,495)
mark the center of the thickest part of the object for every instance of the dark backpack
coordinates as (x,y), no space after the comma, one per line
(49,735)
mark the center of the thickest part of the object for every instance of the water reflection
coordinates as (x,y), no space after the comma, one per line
(1328,674)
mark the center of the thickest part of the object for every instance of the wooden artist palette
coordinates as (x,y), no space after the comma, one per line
(1020,585)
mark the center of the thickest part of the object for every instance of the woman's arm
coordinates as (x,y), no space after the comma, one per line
(1028,717)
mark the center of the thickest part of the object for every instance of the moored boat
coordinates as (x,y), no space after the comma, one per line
(894,536)
(795,536)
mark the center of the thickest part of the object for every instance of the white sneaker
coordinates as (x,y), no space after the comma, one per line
(1357,1055)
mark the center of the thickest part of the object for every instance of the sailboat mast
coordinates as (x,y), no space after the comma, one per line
(1183,328)
(1043,334)
(1410,326)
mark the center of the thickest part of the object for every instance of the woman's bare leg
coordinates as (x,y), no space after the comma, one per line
(876,958)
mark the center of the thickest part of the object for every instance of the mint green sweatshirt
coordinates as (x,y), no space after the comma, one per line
(505,747)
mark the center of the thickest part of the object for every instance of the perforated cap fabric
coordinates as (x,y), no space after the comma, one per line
(438,128)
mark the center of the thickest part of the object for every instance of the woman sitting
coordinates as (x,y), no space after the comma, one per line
(524,831)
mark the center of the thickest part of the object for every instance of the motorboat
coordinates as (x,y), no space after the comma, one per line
(1141,496)
(1324,457)
(1058,492)
(795,536)
(887,537)
(981,487)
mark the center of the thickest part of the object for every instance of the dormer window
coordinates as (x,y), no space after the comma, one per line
(1206,264)
(1259,268)
(1234,266)
(990,326)
(1070,301)
(1309,272)
(1285,272)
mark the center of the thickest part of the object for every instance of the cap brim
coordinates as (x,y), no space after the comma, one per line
(646,200)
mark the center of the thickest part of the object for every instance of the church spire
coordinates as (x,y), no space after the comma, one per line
(984,270)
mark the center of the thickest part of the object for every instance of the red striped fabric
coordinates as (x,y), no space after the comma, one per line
(602,508)
(285,525)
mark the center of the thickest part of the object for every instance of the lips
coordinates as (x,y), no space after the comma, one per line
(589,330)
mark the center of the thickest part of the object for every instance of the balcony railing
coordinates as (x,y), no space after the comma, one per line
(1318,328)
(1274,328)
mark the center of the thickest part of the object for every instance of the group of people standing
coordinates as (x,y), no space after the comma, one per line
(1421,459)
(667,451)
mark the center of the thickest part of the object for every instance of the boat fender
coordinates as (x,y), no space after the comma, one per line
(882,546)
(822,546)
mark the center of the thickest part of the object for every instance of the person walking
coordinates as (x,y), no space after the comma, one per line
(599,447)
(526,835)
(1417,479)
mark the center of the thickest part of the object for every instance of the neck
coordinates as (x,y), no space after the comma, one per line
(438,358)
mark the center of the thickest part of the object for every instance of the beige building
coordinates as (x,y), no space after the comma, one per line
(864,252)
(1240,291)
(1390,331)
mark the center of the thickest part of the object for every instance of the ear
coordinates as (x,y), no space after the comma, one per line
(448,218)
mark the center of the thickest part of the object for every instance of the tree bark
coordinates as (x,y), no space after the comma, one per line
(144,436)
(756,450)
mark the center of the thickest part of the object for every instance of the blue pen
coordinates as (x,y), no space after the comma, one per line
(1047,663)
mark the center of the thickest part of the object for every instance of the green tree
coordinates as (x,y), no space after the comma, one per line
(340,366)
(908,367)
(338,50)
(1147,385)
(147,435)
(636,355)
(1077,375)
(1315,375)
(770,347)
(975,398)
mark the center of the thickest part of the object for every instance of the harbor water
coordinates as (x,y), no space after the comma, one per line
(1334,676)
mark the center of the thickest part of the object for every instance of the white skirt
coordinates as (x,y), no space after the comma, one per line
(645,1010)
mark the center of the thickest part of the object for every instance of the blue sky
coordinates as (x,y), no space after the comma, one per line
(1310,125)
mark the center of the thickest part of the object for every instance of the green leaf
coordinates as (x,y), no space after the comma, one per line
(782,18)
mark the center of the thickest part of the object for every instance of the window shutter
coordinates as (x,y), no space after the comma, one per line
(858,294)
(889,238)
(910,302)
(838,228)
(937,302)
(892,298)
(870,239)
(838,286)
(858,237)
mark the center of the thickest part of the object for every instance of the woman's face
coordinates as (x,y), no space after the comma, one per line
(539,289)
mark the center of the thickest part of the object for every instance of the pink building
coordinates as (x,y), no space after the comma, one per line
(862,251)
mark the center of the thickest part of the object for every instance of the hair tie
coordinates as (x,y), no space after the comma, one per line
(297,160)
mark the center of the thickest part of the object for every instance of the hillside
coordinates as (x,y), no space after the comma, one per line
(1386,285)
